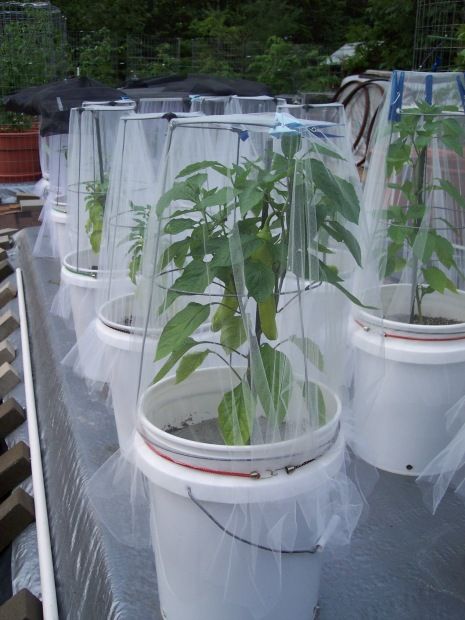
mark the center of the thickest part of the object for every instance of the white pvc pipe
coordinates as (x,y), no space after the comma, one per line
(47,577)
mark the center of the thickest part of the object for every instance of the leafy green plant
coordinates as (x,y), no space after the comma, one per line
(97,56)
(14,121)
(414,232)
(96,195)
(136,238)
(209,249)
(286,67)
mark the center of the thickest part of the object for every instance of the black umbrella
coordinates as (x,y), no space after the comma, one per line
(54,101)
(177,85)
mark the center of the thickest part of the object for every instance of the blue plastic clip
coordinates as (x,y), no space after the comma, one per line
(461,88)
(244,135)
(429,89)
(397,92)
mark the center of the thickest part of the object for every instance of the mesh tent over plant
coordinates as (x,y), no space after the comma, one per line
(92,138)
(150,105)
(131,193)
(209,105)
(413,275)
(244,326)
(56,147)
(252,105)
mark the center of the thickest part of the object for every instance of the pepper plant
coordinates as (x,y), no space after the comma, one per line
(96,195)
(236,239)
(417,238)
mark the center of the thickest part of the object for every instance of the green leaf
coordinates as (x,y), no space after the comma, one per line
(176,252)
(250,198)
(179,224)
(398,155)
(323,150)
(313,394)
(444,251)
(423,245)
(232,333)
(342,235)
(310,349)
(179,191)
(178,328)
(275,392)
(195,278)
(174,358)
(452,191)
(189,363)
(398,233)
(222,196)
(202,165)
(236,414)
(259,279)
(340,193)
(438,280)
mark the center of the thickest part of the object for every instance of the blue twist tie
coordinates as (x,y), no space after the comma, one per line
(429,89)
(397,92)
(461,88)
(244,135)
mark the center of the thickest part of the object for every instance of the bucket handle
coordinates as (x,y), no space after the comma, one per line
(317,548)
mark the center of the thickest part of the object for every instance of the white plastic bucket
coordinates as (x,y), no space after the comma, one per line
(123,354)
(197,580)
(406,379)
(59,232)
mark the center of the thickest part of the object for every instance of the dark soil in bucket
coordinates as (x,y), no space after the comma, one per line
(204,432)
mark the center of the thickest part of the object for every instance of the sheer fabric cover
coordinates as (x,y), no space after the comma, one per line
(253,105)
(151,105)
(413,257)
(244,321)
(131,191)
(48,239)
(92,138)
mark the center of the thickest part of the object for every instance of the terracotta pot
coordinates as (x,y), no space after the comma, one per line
(19,156)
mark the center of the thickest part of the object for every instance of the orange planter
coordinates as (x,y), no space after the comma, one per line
(19,156)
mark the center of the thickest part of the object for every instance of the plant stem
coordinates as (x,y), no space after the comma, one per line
(418,179)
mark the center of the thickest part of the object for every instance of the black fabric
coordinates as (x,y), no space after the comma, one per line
(177,85)
(46,101)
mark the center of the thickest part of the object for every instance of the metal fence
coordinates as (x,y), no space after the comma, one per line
(32,44)
(436,43)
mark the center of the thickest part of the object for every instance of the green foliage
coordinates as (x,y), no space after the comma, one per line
(98,57)
(136,238)
(212,249)
(96,195)
(412,230)
(14,121)
(460,60)
(386,31)
(286,67)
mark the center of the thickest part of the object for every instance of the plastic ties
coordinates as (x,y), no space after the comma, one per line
(397,91)
(429,89)
(461,88)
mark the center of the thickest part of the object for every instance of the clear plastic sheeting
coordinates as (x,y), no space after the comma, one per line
(243,308)
(41,187)
(253,105)
(51,240)
(409,351)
